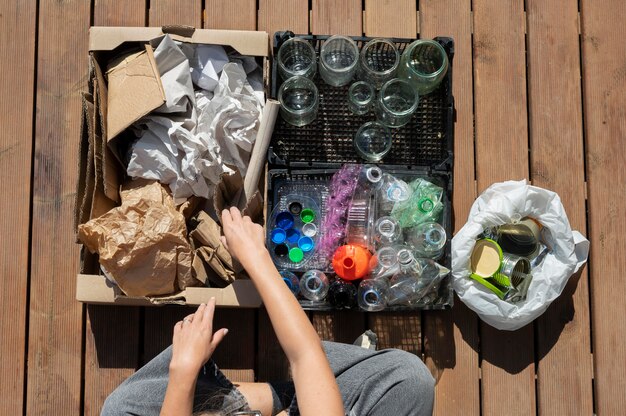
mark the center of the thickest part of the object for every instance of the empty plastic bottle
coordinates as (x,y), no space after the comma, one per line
(342,294)
(387,231)
(314,285)
(372,294)
(416,278)
(384,263)
(428,239)
(291,280)
(391,192)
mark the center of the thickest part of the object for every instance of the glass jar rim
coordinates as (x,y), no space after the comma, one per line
(386,85)
(372,42)
(437,45)
(351,42)
(355,86)
(293,80)
(303,42)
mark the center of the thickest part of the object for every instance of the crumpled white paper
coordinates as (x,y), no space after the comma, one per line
(211,130)
(568,252)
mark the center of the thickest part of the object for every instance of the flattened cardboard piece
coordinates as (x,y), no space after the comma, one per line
(134,90)
(112,177)
(100,204)
(249,43)
(84,211)
(96,289)
(83,164)
(228,194)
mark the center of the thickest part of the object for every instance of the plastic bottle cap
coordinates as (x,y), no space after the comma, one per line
(281,250)
(307,215)
(296,255)
(293,235)
(306,244)
(425,205)
(284,220)
(309,229)
(295,208)
(278,235)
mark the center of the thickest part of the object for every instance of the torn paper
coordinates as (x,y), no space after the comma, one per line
(142,244)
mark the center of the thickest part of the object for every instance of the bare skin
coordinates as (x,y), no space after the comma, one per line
(194,341)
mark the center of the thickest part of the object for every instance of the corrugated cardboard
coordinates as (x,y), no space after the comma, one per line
(101,173)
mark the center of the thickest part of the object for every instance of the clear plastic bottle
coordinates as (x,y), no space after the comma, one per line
(384,263)
(314,285)
(387,231)
(372,294)
(428,239)
(416,278)
(342,294)
(392,191)
(291,280)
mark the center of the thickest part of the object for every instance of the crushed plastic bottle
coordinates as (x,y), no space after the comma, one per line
(428,239)
(424,204)
(415,279)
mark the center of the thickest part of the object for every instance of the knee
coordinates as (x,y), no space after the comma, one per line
(411,368)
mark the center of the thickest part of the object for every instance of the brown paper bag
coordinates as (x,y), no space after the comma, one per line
(142,243)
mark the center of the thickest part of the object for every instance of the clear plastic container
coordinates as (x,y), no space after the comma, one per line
(428,239)
(384,263)
(372,294)
(314,285)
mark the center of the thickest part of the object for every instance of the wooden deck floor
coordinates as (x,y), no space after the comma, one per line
(540,89)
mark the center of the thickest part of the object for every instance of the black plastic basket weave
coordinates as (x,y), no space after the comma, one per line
(423,147)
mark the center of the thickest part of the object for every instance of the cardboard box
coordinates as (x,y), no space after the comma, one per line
(100,169)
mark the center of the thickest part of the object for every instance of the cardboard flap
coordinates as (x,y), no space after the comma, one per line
(245,42)
(135,90)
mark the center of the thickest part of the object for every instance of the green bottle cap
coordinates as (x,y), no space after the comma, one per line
(296,255)
(425,205)
(307,215)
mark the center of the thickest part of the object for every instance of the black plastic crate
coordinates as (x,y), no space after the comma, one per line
(427,140)
(422,148)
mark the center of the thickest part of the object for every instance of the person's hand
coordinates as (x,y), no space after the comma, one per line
(243,239)
(194,342)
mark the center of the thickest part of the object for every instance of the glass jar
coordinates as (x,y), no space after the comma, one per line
(296,57)
(360,97)
(397,101)
(299,101)
(338,60)
(379,62)
(424,64)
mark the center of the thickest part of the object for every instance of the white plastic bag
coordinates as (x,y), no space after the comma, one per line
(568,252)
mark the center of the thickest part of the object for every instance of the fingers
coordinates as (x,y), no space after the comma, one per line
(226,218)
(218,337)
(197,317)
(224,242)
(235,214)
(207,315)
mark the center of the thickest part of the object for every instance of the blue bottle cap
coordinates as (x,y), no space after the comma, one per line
(293,235)
(306,244)
(284,220)
(278,235)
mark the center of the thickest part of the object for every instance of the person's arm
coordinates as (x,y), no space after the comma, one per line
(316,388)
(193,344)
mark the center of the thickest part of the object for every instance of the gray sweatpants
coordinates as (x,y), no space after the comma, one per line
(376,383)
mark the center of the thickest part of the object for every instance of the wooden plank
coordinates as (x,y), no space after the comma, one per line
(339,326)
(399,330)
(111,351)
(119,13)
(231,14)
(175,12)
(277,15)
(451,337)
(564,370)
(391,18)
(17,40)
(604,100)
(502,154)
(55,343)
(329,17)
(272,364)
(111,332)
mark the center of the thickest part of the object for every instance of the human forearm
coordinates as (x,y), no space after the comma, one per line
(179,394)
(284,311)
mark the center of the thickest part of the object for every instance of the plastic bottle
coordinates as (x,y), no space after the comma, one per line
(372,294)
(291,280)
(392,191)
(387,231)
(428,239)
(342,294)
(314,285)
(416,278)
(423,205)
(384,263)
